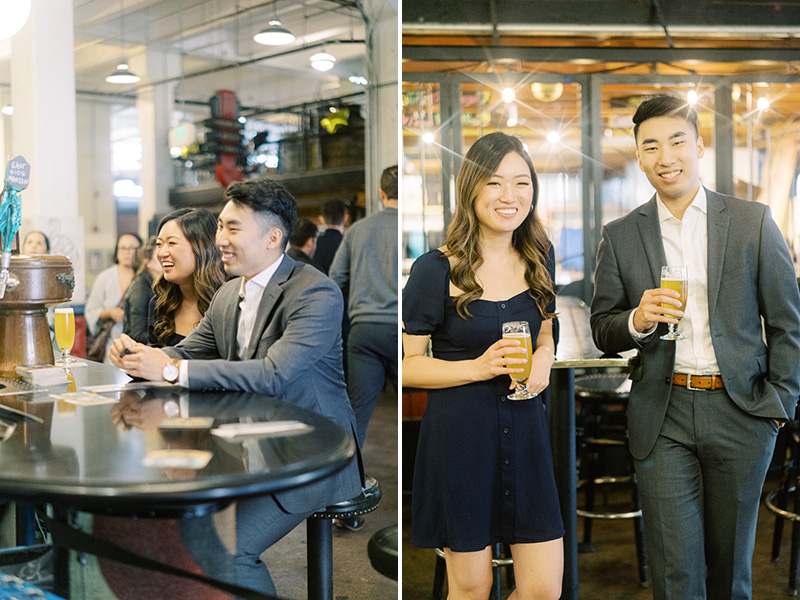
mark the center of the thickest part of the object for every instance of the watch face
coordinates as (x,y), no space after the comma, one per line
(170,373)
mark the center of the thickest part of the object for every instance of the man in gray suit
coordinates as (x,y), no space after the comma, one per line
(275,329)
(703,412)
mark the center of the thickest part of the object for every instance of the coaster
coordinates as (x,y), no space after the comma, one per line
(177,459)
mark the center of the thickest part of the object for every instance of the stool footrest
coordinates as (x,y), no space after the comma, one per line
(587,514)
(779,511)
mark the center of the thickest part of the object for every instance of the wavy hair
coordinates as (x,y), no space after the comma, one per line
(530,239)
(200,228)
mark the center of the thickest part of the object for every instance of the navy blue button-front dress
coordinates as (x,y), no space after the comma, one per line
(484,470)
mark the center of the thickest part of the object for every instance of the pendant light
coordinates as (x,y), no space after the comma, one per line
(322,61)
(274,35)
(123,74)
(13,16)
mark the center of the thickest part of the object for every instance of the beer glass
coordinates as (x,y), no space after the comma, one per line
(520,330)
(675,278)
(65,335)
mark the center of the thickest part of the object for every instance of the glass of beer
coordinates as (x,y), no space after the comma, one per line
(677,279)
(65,335)
(520,331)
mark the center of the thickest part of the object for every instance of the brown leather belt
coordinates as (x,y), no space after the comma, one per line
(698,382)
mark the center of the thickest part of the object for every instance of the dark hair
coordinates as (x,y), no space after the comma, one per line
(530,239)
(41,233)
(664,106)
(200,228)
(333,212)
(145,253)
(389,182)
(135,256)
(270,201)
(303,231)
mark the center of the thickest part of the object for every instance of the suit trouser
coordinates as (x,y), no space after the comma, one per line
(700,489)
(260,523)
(372,358)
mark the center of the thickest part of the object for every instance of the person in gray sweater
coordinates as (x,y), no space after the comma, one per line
(365,267)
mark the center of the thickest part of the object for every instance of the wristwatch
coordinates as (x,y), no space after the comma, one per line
(171,372)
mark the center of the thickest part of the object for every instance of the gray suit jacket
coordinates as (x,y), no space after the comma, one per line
(750,277)
(295,355)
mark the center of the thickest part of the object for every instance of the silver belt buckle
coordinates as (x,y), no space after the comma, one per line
(689,385)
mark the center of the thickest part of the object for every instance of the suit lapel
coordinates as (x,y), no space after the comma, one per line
(233,324)
(718,223)
(650,232)
(269,299)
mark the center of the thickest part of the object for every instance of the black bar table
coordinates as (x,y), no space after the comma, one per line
(575,350)
(95,457)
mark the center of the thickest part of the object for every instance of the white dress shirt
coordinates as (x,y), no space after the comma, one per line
(686,243)
(250,294)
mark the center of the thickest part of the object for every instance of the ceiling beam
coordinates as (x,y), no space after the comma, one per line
(564,54)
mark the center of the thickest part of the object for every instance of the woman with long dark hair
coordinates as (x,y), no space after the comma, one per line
(192,273)
(484,471)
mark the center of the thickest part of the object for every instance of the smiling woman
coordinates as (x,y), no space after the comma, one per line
(484,473)
(192,265)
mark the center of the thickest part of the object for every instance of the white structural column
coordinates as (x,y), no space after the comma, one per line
(44,128)
(95,184)
(155,106)
(382,95)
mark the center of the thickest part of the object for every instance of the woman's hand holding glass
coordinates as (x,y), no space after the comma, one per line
(494,363)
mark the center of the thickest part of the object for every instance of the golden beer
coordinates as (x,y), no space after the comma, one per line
(65,328)
(679,285)
(525,352)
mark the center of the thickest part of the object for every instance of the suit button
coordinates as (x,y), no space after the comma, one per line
(666,380)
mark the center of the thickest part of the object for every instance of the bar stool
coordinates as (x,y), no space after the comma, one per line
(788,446)
(382,551)
(319,533)
(602,445)
(501,558)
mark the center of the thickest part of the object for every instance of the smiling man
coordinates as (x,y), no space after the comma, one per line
(275,329)
(704,411)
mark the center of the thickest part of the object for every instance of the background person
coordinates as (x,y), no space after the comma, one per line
(365,267)
(703,412)
(104,307)
(303,242)
(484,470)
(137,302)
(36,243)
(334,217)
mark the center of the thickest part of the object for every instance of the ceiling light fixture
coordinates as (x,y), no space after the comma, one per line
(547,92)
(274,35)
(123,74)
(763,103)
(7,110)
(13,16)
(508,95)
(358,79)
(322,61)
